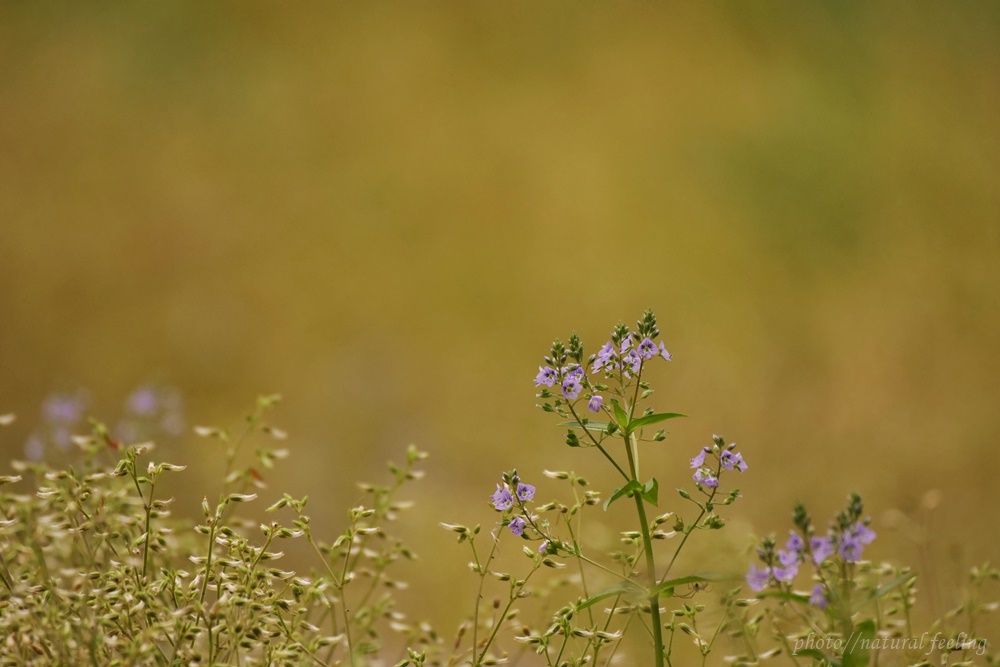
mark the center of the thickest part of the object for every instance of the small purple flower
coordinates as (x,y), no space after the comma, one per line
(786,573)
(626,343)
(517,525)
(647,349)
(633,361)
(525,492)
(546,376)
(543,547)
(758,578)
(571,387)
(143,401)
(788,558)
(821,547)
(664,353)
(595,403)
(502,499)
(732,460)
(853,540)
(64,409)
(703,477)
(818,597)
(574,371)
(604,357)
(795,542)
(699,458)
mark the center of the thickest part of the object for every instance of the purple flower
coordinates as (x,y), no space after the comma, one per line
(818,597)
(604,357)
(525,491)
(647,349)
(595,403)
(543,547)
(517,525)
(853,541)
(573,371)
(795,542)
(626,343)
(786,573)
(703,477)
(732,460)
(63,409)
(821,547)
(571,387)
(633,361)
(758,578)
(143,401)
(546,376)
(788,558)
(664,353)
(699,458)
(502,499)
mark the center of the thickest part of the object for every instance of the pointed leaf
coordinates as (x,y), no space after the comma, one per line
(626,490)
(656,418)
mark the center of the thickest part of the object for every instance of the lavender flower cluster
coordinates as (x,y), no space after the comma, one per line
(842,544)
(725,457)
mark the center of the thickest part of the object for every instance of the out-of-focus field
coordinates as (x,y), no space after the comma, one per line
(387,211)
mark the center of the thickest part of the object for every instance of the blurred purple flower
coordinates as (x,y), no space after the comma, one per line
(633,361)
(821,548)
(65,409)
(143,401)
(795,542)
(818,597)
(595,403)
(517,525)
(543,547)
(699,458)
(664,353)
(788,557)
(786,573)
(758,578)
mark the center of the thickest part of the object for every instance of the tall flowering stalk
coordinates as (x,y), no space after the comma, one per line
(600,397)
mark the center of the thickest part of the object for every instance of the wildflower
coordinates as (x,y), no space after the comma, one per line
(818,597)
(543,547)
(821,548)
(703,477)
(664,353)
(502,499)
(795,542)
(63,409)
(626,343)
(633,361)
(732,460)
(571,387)
(853,541)
(604,357)
(595,403)
(517,525)
(575,371)
(788,557)
(758,578)
(143,401)
(786,573)
(525,492)
(546,376)
(699,458)
(647,349)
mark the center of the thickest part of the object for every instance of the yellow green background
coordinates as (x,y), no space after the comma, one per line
(386,212)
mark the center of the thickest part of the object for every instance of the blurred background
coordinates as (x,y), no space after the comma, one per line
(386,212)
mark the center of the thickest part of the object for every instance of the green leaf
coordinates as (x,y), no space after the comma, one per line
(885,589)
(813,653)
(627,588)
(791,596)
(627,490)
(858,645)
(620,415)
(651,491)
(656,418)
